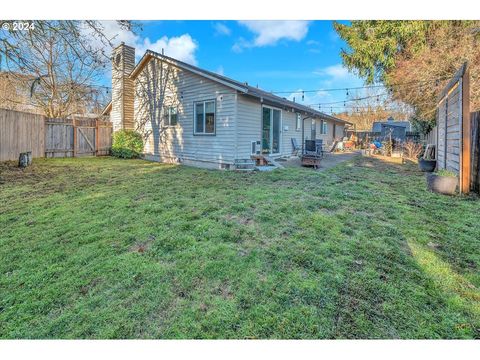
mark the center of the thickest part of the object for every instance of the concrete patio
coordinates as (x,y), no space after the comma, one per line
(329,160)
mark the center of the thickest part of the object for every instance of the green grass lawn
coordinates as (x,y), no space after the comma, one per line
(106,248)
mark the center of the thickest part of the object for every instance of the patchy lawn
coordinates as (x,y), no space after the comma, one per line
(106,248)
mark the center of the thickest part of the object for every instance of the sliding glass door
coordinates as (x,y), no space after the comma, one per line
(271,130)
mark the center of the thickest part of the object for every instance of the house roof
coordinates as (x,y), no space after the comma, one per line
(377,125)
(244,88)
(107,108)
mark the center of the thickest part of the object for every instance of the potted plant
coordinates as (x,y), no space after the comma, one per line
(427,162)
(443,182)
(427,165)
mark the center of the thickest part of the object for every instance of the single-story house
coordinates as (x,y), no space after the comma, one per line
(193,116)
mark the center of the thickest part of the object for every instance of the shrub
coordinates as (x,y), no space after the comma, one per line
(412,150)
(127,144)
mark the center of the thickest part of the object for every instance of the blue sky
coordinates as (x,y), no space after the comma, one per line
(276,55)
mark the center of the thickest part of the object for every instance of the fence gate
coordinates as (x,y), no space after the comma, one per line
(453,128)
(77,137)
(84,137)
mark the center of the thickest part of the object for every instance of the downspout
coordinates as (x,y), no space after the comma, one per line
(303,133)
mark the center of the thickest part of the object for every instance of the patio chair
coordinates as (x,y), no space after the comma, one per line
(331,149)
(295,146)
(319,147)
(310,147)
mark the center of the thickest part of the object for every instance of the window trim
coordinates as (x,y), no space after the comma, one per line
(298,122)
(169,116)
(324,127)
(195,133)
(280,130)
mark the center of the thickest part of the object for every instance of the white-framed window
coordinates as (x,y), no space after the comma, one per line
(324,127)
(170,116)
(298,124)
(204,117)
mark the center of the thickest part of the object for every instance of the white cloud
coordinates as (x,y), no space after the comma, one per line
(222,29)
(220,70)
(270,32)
(240,45)
(181,47)
(335,72)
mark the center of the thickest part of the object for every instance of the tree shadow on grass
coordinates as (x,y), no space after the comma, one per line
(458,293)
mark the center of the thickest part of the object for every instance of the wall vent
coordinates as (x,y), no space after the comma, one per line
(256,148)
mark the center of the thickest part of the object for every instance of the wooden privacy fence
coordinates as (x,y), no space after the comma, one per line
(475,153)
(44,137)
(21,132)
(453,128)
(77,137)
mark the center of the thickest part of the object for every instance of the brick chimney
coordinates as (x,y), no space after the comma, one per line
(123,62)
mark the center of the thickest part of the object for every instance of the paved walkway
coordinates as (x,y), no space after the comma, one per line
(328,161)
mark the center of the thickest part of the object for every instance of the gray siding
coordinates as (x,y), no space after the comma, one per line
(249,115)
(249,112)
(238,119)
(178,143)
(289,120)
(249,127)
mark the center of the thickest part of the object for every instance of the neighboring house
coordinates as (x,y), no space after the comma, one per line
(15,92)
(397,129)
(193,116)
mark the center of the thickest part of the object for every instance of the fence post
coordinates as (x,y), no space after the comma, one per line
(465,132)
(96,137)
(74,138)
(475,152)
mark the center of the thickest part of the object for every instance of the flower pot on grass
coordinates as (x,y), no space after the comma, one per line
(443,182)
(427,165)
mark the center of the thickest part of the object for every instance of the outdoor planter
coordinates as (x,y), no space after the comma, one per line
(427,165)
(442,183)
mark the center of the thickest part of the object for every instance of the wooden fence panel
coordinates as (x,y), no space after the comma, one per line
(453,123)
(475,152)
(21,132)
(85,141)
(58,138)
(104,137)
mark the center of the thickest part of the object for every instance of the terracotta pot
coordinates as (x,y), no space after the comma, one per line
(442,184)
(427,165)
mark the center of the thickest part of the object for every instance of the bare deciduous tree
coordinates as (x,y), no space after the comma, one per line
(375,104)
(63,59)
